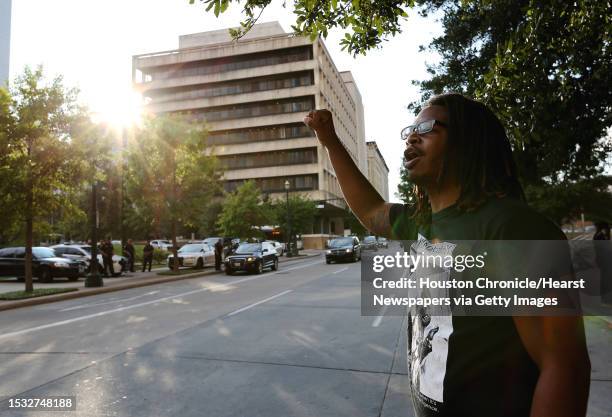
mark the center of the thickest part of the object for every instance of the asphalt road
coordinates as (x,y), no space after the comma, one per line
(285,343)
(290,343)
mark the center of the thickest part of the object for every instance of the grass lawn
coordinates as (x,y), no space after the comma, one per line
(38,292)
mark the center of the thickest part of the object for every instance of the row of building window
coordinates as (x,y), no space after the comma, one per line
(232,87)
(212,66)
(277,184)
(258,134)
(262,108)
(269,159)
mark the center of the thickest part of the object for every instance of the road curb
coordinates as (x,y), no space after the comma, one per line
(86,292)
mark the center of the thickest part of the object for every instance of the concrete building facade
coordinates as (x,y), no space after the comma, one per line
(5,40)
(378,171)
(253,94)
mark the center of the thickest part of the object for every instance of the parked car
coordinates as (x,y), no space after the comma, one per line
(369,243)
(252,257)
(279,247)
(227,243)
(195,255)
(161,244)
(46,265)
(343,249)
(383,242)
(83,253)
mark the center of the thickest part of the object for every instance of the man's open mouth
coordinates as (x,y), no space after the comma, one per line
(411,156)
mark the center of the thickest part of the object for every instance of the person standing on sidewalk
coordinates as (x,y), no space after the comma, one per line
(466,187)
(218,254)
(107,257)
(131,253)
(147,256)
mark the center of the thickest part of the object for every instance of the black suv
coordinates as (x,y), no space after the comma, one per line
(46,265)
(343,249)
(252,257)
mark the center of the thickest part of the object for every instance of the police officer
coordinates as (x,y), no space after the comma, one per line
(218,254)
(107,257)
(130,252)
(147,256)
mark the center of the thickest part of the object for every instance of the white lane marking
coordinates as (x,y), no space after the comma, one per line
(378,319)
(114,300)
(340,270)
(258,303)
(115,310)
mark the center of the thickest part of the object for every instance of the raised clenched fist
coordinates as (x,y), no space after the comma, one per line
(321,122)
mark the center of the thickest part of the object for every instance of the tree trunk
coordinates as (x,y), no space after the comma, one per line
(29,287)
(175,265)
(29,218)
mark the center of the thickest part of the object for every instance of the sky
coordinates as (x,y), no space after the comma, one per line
(91,44)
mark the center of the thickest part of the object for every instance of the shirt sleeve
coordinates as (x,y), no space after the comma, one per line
(403,224)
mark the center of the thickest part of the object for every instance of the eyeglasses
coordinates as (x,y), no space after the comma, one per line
(420,128)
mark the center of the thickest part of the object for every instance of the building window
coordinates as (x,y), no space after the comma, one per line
(230,63)
(277,184)
(233,87)
(263,133)
(262,108)
(268,159)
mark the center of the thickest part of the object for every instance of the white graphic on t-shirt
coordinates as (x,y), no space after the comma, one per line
(431,327)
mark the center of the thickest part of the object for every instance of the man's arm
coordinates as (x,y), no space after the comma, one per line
(363,199)
(557,345)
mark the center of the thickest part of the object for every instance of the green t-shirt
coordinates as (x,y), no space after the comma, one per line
(466,366)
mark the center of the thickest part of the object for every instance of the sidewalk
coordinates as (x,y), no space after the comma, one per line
(126,281)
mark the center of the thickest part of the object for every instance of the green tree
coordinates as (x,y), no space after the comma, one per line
(544,67)
(39,154)
(170,176)
(243,210)
(301,211)
(93,145)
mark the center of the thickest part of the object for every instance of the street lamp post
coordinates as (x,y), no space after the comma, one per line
(94,279)
(289,249)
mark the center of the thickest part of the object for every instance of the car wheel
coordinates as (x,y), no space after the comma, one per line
(275,265)
(229,271)
(259,269)
(200,264)
(327,261)
(45,275)
(20,279)
(73,279)
(354,257)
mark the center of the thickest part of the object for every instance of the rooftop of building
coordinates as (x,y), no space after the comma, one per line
(372,144)
(221,36)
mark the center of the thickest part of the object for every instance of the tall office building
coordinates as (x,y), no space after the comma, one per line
(253,94)
(5,39)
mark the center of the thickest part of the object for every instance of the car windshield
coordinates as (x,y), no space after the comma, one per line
(191,248)
(369,239)
(335,243)
(249,248)
(210,241)
(42,253)
(86,249)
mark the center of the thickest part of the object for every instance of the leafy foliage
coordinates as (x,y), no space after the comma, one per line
(366,23)
(38,168)
(544,68)
(170,178)
(243,209)
(301,212)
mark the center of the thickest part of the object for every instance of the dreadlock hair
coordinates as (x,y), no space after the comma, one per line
(478,156)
